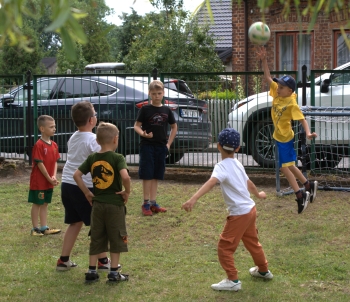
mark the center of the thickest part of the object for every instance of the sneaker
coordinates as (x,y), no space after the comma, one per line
(227,284)
(146,211)
(65,266)
(105,267)
(155,208)
(36,232)
(313,190)
(254,271)
(91,276)
(303,202)
(49,231)
(114,277)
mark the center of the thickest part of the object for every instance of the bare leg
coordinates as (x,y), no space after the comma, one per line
(35,215)
(146,187)
(115,259)
(153,189)
(43,214)
(291,178)
(70,237)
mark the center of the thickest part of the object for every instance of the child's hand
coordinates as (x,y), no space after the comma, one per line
(147,135)
(89,197)
(125,196)
(261,53)
(262,195)
(311,135)
(54,181)
(188,205)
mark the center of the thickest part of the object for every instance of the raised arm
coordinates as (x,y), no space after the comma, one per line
(263,57)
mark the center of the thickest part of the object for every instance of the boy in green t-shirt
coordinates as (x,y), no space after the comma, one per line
(285,109)
(109,174)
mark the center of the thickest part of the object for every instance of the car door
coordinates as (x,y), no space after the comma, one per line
(14,114)
(337,94)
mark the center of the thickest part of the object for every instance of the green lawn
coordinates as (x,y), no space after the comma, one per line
(172,256)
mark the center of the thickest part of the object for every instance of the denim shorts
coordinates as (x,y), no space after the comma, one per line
(76,206)
(152,162)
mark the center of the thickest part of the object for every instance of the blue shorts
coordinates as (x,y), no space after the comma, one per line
(286,153)
(76,206)
(152,162)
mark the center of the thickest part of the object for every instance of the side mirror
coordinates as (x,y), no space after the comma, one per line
(325,85)
(7,100)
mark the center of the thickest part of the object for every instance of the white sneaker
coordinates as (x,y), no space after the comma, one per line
(227,284)
(254,271)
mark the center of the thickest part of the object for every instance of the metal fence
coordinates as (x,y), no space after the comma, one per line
(117,99)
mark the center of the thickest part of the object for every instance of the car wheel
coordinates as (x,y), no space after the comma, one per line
(174,157)
(262,144)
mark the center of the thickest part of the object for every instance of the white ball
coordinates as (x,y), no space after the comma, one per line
(259,33)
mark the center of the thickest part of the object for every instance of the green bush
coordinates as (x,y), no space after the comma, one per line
(218,95)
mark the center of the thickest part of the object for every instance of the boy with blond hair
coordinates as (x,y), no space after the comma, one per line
(152,125)
(43,176)
(108,227)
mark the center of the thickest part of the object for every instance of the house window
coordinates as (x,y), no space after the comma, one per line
(341,50)
(293,51)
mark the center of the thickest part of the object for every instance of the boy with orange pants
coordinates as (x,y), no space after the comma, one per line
(241,222)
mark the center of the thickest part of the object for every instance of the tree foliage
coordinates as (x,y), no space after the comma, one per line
(14,60)
(64,21)
(172,44)
(76,66)
(65,17)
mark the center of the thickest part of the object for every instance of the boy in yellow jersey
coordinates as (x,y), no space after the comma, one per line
(285,109)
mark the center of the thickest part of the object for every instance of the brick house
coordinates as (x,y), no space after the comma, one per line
(289,49)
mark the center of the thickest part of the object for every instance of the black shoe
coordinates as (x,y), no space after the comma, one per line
(114,277)
(91,276)
(303,202)
(313,190)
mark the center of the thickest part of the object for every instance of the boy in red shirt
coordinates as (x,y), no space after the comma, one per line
(43,177)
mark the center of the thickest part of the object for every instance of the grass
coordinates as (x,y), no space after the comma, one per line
(172,256)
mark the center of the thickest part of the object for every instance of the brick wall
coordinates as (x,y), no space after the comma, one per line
(322,56)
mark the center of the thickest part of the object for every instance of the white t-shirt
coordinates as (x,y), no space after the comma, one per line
(233,181)
(80,146)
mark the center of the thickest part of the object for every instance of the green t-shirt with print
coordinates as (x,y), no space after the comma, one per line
(106,179)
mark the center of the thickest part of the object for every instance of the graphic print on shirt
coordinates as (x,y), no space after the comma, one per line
(102,174)
(158,119)
(278,113)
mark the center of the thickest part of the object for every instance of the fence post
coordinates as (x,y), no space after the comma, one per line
(29,123)
(155,73)
(303,134)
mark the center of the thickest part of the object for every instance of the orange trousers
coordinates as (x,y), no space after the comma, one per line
(237,228)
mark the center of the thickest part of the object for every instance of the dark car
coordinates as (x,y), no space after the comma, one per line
(116,100)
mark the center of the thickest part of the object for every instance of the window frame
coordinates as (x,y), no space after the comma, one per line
(335,45)
(295,47)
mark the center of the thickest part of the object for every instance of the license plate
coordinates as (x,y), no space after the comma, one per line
(189,113)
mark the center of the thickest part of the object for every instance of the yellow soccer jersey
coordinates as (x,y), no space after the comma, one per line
(283,111)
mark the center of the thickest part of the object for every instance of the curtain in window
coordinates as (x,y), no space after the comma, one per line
(343,54)
(304,53)
(286,58)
